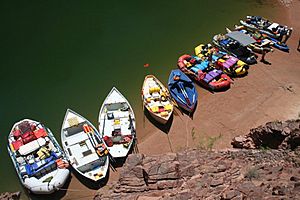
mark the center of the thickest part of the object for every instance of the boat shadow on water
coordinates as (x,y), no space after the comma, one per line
(163,127)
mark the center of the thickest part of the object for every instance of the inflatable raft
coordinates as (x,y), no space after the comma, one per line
(39,161)
(202,72)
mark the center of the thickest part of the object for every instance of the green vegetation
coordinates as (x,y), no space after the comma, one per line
(193,133)
(264,148)
(212,140)
(251,173)
(208,144)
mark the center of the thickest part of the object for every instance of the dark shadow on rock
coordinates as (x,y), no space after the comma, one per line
(118,162)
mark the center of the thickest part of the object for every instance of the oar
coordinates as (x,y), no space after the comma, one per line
(103,126)
(143,112)
(91,140)
(134,143)
(184,94)
(90,136)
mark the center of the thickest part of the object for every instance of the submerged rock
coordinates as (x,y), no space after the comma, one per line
(10,196)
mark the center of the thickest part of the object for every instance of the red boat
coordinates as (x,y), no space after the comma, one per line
(203,72)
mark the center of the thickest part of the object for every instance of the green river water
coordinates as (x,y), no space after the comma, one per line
(68,54)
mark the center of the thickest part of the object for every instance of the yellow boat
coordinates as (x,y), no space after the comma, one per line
(228,63)
(156,99)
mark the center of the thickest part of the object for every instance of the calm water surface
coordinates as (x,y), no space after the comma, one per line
(68,54)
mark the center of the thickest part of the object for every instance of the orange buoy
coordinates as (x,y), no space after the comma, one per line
(146,65)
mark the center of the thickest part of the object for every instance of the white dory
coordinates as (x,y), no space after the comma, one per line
(117,124)
(84,147)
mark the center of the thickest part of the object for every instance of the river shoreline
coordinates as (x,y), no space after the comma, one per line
(249,103)
(252,100)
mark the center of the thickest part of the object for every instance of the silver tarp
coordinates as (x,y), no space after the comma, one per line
(241,38)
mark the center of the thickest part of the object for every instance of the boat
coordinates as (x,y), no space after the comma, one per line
(227,63)
(260,45)
(260,37)
(236,44)
(203,72)
(84,147)
(279,45)
(117,124)
(265,26)
(156,99)
(183,90)
(39,161)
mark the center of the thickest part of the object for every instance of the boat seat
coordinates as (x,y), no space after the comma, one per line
(77,138)
(88,163)
(73,130)
(202,66)
(121,114)
(87,152)
(168,107)
(212,75)
(229,62)
(155,95)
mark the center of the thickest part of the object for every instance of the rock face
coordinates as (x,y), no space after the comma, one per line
(274,135)
(195,174)
(10,196)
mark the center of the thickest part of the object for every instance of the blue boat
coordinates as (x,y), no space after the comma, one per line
(182,90)
(279,45)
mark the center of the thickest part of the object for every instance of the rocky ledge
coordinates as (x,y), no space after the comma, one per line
(196,174)
(10,196)
(273,135)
